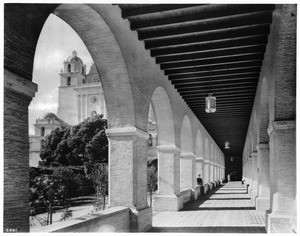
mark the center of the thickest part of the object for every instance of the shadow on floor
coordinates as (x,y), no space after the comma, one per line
(212,229)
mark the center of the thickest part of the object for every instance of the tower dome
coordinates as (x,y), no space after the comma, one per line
(50,116)
(74,57)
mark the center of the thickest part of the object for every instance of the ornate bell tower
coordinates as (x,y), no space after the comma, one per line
(72,75)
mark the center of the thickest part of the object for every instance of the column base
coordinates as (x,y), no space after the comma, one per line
(206,188)
(196,192)
(279,222)
(262,204)
(141,220)
(253,194)
(167,203)
(211,186)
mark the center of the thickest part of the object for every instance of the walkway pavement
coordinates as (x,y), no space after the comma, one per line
(227,209)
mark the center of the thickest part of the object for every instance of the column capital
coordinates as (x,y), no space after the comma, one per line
(281,125)
(168,148)
(18,84)
(253,154)
(126,131)
(262,145)
(187,154)
(206,161)
(199,159)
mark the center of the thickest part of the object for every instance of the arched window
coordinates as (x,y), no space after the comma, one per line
(69,67)
(150,140)
(83,70)
(42,143)
(43,131)
(94,113)
(69,80)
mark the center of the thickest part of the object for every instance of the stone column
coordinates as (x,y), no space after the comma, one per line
(167,198)
(188,170)
(206,179)
(263,200)
(254,175)
(199,170)
(250,174)
(18,93)
(128,174)
(282,173)
(211,176)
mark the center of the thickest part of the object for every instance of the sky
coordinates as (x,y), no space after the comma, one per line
(56,43)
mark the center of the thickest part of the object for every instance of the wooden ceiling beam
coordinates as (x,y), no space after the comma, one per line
(211,53)
(214,61)
(200,12)
(213,66)
(210,45)
(224,33)
(216,73)
(206,25)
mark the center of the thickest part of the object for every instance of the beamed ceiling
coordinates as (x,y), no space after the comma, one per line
(191,42)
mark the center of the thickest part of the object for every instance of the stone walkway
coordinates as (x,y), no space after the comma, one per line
(227,209)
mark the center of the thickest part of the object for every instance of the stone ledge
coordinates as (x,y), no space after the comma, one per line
(187,155)
(281,125)
(168,148)
(79,223)
(126,131)
(18,84)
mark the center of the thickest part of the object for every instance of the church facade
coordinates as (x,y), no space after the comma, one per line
(80,96)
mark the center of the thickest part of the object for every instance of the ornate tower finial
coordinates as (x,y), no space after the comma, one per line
(74,53)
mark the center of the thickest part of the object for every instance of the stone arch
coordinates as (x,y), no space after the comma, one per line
(110,63)
(206,165)
(263,117)
(186,138)
(164,116)
(199,144)
(186,143)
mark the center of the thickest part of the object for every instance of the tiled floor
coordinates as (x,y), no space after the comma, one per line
(225,210)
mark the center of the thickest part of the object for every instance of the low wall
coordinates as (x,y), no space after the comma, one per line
(185,195)
(115,219)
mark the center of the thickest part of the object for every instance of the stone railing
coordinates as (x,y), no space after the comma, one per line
(115,219)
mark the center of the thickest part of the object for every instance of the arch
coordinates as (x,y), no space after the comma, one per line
(109,63)
(206,149)
(199,144)
(164,116)
(42,131)
(69,80)
(186,137)
(69,67)
(263,117)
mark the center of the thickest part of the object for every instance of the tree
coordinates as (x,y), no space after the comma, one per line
(98,173)
(77,145)
(46,191)
(151,181)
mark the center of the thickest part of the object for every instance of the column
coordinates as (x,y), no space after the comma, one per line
(128,174)
(254,175)
(168,195)
(263,199)
(187,170)
(206,179)
(250,174)
(211,175)
(282,173)
(18,93)
(199,170)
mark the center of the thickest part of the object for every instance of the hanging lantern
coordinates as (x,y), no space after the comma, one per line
(227,144)
(210,105)
(210,101)
(231,158)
